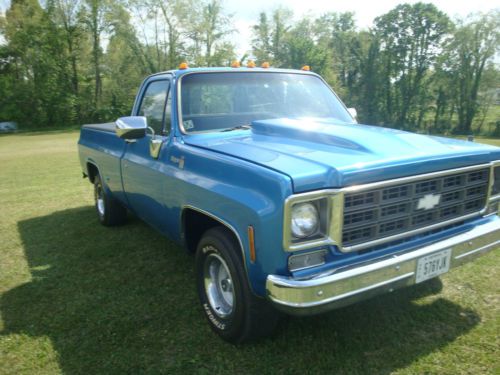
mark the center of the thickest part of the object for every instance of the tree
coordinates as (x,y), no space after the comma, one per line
(65,62)
(261,43)
(410,39)
(123,65)
(174,15)
(369,88)
(66,14)
(474,43)
(97,22)
(337,33)
(208,30)
(269,42)
(35,59)
(281,26)
(299,48)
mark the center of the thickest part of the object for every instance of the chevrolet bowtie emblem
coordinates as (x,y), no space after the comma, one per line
(428,202)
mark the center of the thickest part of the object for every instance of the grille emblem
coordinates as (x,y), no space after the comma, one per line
(428,202)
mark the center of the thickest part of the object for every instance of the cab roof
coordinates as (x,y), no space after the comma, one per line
(181,72)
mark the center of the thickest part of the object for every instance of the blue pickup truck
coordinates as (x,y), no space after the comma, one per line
(288,204)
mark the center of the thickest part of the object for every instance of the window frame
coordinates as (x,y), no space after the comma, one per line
(143,93)
(178,88)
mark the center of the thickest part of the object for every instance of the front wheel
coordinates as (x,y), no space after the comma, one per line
(231,308)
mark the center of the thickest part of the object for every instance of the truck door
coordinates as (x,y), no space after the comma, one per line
(143,175)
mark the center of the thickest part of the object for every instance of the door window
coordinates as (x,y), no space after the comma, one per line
(153,104)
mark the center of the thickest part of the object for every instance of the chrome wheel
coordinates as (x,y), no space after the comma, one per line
(218,285)
(99,198)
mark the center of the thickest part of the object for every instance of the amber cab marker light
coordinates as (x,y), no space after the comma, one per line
(250,64)
(251,244)
(183,65)
(265,65)
(306,68)
(235,64)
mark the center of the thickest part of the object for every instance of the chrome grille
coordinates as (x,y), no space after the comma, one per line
(391,210)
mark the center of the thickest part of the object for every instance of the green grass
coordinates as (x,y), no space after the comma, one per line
(78,298)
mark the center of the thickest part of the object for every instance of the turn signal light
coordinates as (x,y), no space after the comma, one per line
(251,243)
(265,65)
(306,68)
(183,65)
(303,261)
(235,64)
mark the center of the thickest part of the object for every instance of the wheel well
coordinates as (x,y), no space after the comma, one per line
(92,171)
(195,223)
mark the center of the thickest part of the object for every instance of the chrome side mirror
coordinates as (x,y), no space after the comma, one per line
(353,113)
(131,127)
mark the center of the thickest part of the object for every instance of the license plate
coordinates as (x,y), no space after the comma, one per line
(433,265)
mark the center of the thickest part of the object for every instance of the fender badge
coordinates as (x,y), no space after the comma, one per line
(179,161)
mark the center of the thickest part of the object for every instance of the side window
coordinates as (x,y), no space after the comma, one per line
(153,104)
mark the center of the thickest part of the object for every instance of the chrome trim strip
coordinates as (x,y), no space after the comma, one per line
(315,295)
(335,237)
(494,198)
(472,252)
(326,239)
(223,222)
(350,294)
(402,180)
(494,164)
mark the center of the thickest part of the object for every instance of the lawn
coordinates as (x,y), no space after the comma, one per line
(78,298)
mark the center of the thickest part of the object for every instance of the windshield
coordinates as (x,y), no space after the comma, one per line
(225,101)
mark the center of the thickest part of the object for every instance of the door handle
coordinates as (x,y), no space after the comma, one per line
(154,147)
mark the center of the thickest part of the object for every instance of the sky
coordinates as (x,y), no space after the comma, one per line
(246,13)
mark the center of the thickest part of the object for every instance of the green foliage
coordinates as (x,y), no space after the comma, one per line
(35,82)
(70,62)
(270,42)
(77,61)
(474,43)
(262,40)
(410,37)
(414,70)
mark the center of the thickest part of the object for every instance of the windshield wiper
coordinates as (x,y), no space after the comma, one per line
(238,127)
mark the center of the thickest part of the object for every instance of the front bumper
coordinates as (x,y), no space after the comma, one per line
(327,292)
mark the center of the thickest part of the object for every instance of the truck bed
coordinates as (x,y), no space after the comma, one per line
(100,146)
(108,127)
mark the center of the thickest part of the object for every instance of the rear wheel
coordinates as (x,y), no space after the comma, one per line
(231,308)
(109,211)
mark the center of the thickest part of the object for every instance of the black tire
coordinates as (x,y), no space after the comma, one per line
(109,211)
(249,317)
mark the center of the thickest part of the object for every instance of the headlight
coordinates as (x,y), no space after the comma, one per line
(305,220)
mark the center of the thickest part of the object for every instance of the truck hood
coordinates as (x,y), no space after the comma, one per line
(318,154)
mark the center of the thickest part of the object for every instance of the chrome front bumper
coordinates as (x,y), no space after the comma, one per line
(316,295)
